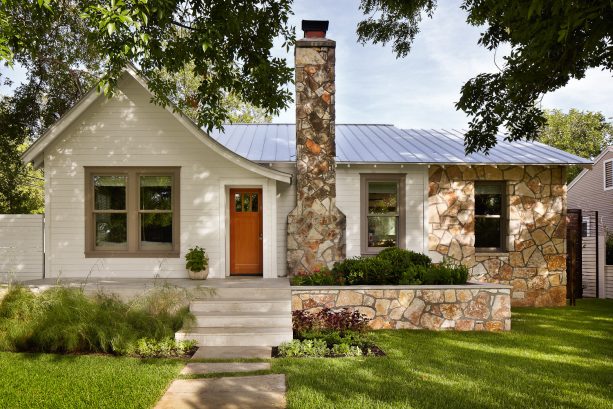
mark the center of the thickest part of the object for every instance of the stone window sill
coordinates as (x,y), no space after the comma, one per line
(491,253)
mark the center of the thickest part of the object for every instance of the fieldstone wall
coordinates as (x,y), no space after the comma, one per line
(534,261)
(477,307)
(316,227)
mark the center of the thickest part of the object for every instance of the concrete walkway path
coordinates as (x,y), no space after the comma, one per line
(234,392)
(241,392)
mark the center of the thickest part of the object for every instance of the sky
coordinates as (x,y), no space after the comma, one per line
(419,90)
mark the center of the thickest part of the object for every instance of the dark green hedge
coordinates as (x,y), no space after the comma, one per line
(391,266)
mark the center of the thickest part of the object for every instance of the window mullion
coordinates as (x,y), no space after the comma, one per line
(133,213)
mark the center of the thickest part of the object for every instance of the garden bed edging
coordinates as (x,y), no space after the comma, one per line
(470,307)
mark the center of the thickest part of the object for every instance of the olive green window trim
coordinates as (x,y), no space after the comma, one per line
(132,211)
(400,180)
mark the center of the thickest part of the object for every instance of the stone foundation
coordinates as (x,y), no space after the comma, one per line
(473,307)
(534,260)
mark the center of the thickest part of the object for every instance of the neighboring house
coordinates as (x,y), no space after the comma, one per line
(130,186)
(592,190)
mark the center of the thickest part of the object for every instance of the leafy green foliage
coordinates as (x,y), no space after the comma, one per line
(196,259)
(391,266)
(161,348)
(66,320)
(342,321)
(583,133)
(551,42)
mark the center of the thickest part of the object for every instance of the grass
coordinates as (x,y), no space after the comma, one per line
(83,381)
(553,358)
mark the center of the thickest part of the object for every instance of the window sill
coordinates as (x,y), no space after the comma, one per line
(491,253)
(110,254)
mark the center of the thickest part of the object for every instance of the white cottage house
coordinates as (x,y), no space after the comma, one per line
(130,186)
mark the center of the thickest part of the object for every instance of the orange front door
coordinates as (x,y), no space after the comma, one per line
(246,231)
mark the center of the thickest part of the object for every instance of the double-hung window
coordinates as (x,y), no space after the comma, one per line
(132,212)
(382,212)
(490,220)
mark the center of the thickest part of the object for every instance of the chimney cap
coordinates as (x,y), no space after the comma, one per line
(315,28)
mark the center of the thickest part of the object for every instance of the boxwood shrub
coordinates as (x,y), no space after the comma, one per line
(391,266)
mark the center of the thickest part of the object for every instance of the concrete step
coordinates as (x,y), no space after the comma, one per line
(241,305)
(249,293)
(225,336)
(243,319)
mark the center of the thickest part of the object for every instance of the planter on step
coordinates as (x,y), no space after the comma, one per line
(197,263)
(198,275)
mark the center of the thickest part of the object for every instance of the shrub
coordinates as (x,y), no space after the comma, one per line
(345,350)
(328,320)
(365,270)
(445,273)
(321,277)
(164,348)
(66,320)
(305,348)
(391,266)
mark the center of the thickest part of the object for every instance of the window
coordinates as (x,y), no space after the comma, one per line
(490,221)
(382,212)
(132,212)
(608,174)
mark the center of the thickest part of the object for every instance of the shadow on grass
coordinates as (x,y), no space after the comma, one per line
(552,358)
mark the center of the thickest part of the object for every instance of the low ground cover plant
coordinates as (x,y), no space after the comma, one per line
(66,320)
(392,266)
(329,333)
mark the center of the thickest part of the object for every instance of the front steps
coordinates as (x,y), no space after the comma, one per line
(245,316)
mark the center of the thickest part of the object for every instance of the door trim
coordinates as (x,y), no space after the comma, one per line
(260,240)
(220,265)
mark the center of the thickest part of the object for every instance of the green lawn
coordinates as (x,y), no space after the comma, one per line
(553,358)
(56,381)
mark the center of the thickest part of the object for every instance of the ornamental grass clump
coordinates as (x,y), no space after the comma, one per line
(66,320)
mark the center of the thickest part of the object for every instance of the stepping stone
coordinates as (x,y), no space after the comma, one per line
(245,392)
(233,352)
(197,368)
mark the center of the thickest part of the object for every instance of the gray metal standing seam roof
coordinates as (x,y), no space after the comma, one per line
(372,144)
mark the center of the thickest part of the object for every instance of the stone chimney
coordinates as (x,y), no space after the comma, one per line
(316,228)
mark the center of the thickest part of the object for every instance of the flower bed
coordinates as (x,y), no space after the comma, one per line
(328,333)
(470,307)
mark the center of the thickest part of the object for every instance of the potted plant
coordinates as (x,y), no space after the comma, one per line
(197,263)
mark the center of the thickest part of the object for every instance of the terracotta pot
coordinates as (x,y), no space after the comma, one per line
(198,275)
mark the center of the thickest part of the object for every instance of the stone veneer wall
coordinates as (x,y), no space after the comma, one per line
(534,262)
(479,307)
(316,227)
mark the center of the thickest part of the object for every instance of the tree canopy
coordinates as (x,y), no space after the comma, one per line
(585,134)
(551,42)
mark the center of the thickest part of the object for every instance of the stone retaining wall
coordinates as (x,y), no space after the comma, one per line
(534,258)
(473,307)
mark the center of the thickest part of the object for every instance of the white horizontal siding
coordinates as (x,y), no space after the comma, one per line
(608,281)
(588,266)
(128,130)
(348,201)
(286,202)
(21,246)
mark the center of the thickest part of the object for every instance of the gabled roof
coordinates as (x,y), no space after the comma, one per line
(360,143)
(36,151)
(596,160)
